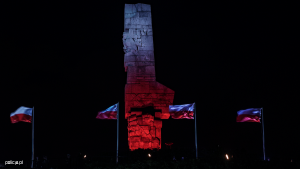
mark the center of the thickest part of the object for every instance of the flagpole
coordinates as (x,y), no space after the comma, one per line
(117,156)
(196,131)
(32,153)
(263,134)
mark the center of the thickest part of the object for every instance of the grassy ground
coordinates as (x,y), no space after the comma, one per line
(185,164)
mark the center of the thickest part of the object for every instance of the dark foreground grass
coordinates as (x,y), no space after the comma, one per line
(193,164)
(185,164)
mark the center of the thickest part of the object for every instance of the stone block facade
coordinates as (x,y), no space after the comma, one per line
(142,90)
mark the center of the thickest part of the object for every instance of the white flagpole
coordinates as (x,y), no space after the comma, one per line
(32,153)
(117,156)
(195,131)
(262,116)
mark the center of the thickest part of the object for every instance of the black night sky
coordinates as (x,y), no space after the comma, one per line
(67,61)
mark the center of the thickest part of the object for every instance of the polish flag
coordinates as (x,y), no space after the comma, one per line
(21,114)
(249,115)
(185,111)
(109,113)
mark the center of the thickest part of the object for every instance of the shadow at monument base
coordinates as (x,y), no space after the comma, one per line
(155,154)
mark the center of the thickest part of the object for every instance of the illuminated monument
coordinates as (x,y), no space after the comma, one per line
(146,100)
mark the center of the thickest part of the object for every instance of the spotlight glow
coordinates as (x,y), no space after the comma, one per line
(227,157)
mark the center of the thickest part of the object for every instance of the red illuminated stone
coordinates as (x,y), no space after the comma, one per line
(142,90)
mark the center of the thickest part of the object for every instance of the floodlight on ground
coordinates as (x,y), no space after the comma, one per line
(227,157)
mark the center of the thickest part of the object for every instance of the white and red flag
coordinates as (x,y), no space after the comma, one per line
(249,115)
(109,113)
(185,111)
(21,114)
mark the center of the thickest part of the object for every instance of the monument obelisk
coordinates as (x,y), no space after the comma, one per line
(142,91)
